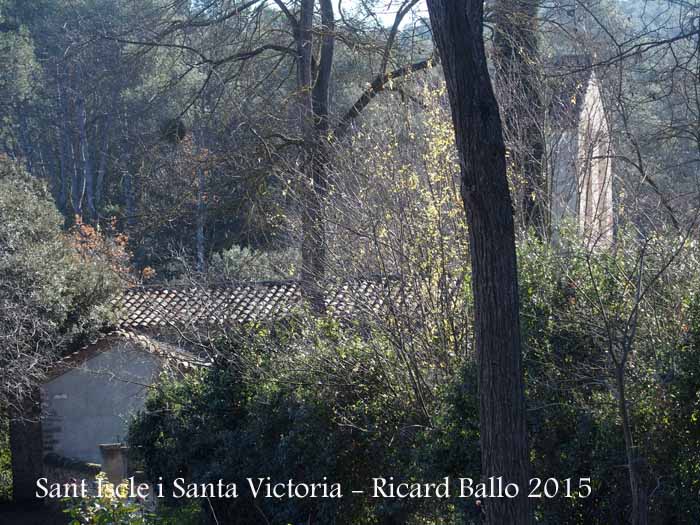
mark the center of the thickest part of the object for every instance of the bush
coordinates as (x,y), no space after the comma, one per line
(586,316)
(302,403)
(114,508)
(305,402)
(51,295)
(5,464)
(243,263)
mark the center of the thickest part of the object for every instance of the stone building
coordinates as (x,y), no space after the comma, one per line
(580,152)
(82,412)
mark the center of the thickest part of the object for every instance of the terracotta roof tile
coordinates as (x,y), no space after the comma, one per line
(172,354)
(153,307)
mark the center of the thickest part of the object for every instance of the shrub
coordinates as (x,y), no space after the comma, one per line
(302,403)
(5,465)
(306,401)
(51,295)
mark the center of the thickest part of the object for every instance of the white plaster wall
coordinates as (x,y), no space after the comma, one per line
(92,404)
(595,170)
(581,172)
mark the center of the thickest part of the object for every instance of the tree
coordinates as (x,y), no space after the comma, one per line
(314,76)
(52,295)
(517,62)
(458,33)
(291,87)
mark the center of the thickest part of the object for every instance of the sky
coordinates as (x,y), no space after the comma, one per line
(386,10)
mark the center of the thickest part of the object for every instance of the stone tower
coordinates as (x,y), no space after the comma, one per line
(580,152)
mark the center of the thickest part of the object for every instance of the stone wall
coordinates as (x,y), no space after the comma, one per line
(58,469)
(26,450)
(93,403)
(580,170)
(595,170)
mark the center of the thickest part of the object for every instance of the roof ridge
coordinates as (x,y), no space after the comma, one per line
(262,282)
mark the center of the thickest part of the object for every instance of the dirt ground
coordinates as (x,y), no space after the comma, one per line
(17,515)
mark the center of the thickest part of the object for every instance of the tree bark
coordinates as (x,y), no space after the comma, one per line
(102,165)
(635,462)
(458,32)
(201,220)
(129,193)
(86,159)
(314,111)
(517,59)
(77,184)
(311,263)
(63,144)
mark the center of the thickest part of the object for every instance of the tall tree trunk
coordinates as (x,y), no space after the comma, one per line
(312,98)
(77,176)
(518,79)
(201,211)
(458,30)
(63,146)
(77,184)
(129,194)
(86,159)
(315,247)
(102,165)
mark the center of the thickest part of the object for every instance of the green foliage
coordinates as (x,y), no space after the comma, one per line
(50,295)
(307,402)
(5,462)
(581,312)
(114,507)
(19,69)
(342,412)
(93,510)
(567,437)
(399,399)
(243,263)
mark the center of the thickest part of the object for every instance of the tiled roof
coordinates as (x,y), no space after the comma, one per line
(153,307)
(234,303)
